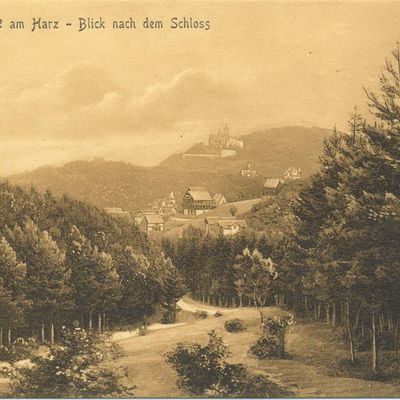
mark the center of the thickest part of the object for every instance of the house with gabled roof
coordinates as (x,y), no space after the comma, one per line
(152,222)
(227,226)
(292,173)
(197,200)
(219,199)
(272,186)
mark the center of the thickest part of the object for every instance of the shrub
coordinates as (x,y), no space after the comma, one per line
(20,349)
(271,344)
(143,331)
(218,314)
(201,314)
(203,371)
(73,369)
(234,325)
(266,347)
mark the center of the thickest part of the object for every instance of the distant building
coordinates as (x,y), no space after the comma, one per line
(273,186)
(197,200)
(140,216)
(219,199)
(223,141)
(152,223)
(118,213)
(226,226)
(292,173)
(164,206)
(249,172)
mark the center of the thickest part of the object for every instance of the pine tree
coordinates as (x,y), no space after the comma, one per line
(173,289)
(46,276)
(12,288)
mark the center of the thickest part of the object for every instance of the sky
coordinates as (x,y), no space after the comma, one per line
(140,95)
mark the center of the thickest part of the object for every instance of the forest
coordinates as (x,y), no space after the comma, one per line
(62,261)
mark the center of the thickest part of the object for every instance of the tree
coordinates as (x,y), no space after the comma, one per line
(253,277)
(173,289)
(46,276)
(233,210)
(136,290)
(355,123)
(12,288)
(74,368)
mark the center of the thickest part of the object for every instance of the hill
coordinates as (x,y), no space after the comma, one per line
(118,184)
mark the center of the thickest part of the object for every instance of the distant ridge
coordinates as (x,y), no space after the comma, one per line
(120,184)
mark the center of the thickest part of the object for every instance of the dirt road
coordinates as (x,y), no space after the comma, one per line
(145,359)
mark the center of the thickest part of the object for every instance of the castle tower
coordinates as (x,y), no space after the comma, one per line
(226,131)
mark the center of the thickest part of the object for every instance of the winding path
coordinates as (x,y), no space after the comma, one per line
(145,358)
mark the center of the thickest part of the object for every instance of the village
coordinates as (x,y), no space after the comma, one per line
(211,211)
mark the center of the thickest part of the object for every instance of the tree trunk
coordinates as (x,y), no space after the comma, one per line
(328,315)
(9,335)
(240,301)
(82,325)
(52,332)
(374,359)
(333,315)
(357,318)
(43,332)
(1,336)
(90,320)
(99,322)
(319,310)
(104,321)
(350,333)
(306,305)
(396,335)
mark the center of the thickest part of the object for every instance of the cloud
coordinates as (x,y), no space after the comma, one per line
(83,106)
(85,101)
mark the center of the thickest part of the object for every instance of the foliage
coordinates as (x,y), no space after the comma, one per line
(143,330)
(74,368)
(266,347)
(218,314)
(253,277)
(174,288)
(203,371)
(201,314)
(63,260)
(234,325)
(20,349)
(271,344)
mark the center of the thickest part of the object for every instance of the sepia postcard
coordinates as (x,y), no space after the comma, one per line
(199,199)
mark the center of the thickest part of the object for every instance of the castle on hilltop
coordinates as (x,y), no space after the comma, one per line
(223,141)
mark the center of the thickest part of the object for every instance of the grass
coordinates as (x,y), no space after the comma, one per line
(319,345)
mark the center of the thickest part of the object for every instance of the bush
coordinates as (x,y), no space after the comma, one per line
(20,349)
(234,325)
(218,314)
(203,371)
(266,347)
(143,331)
(271,344)
(73,369)
(201,314)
